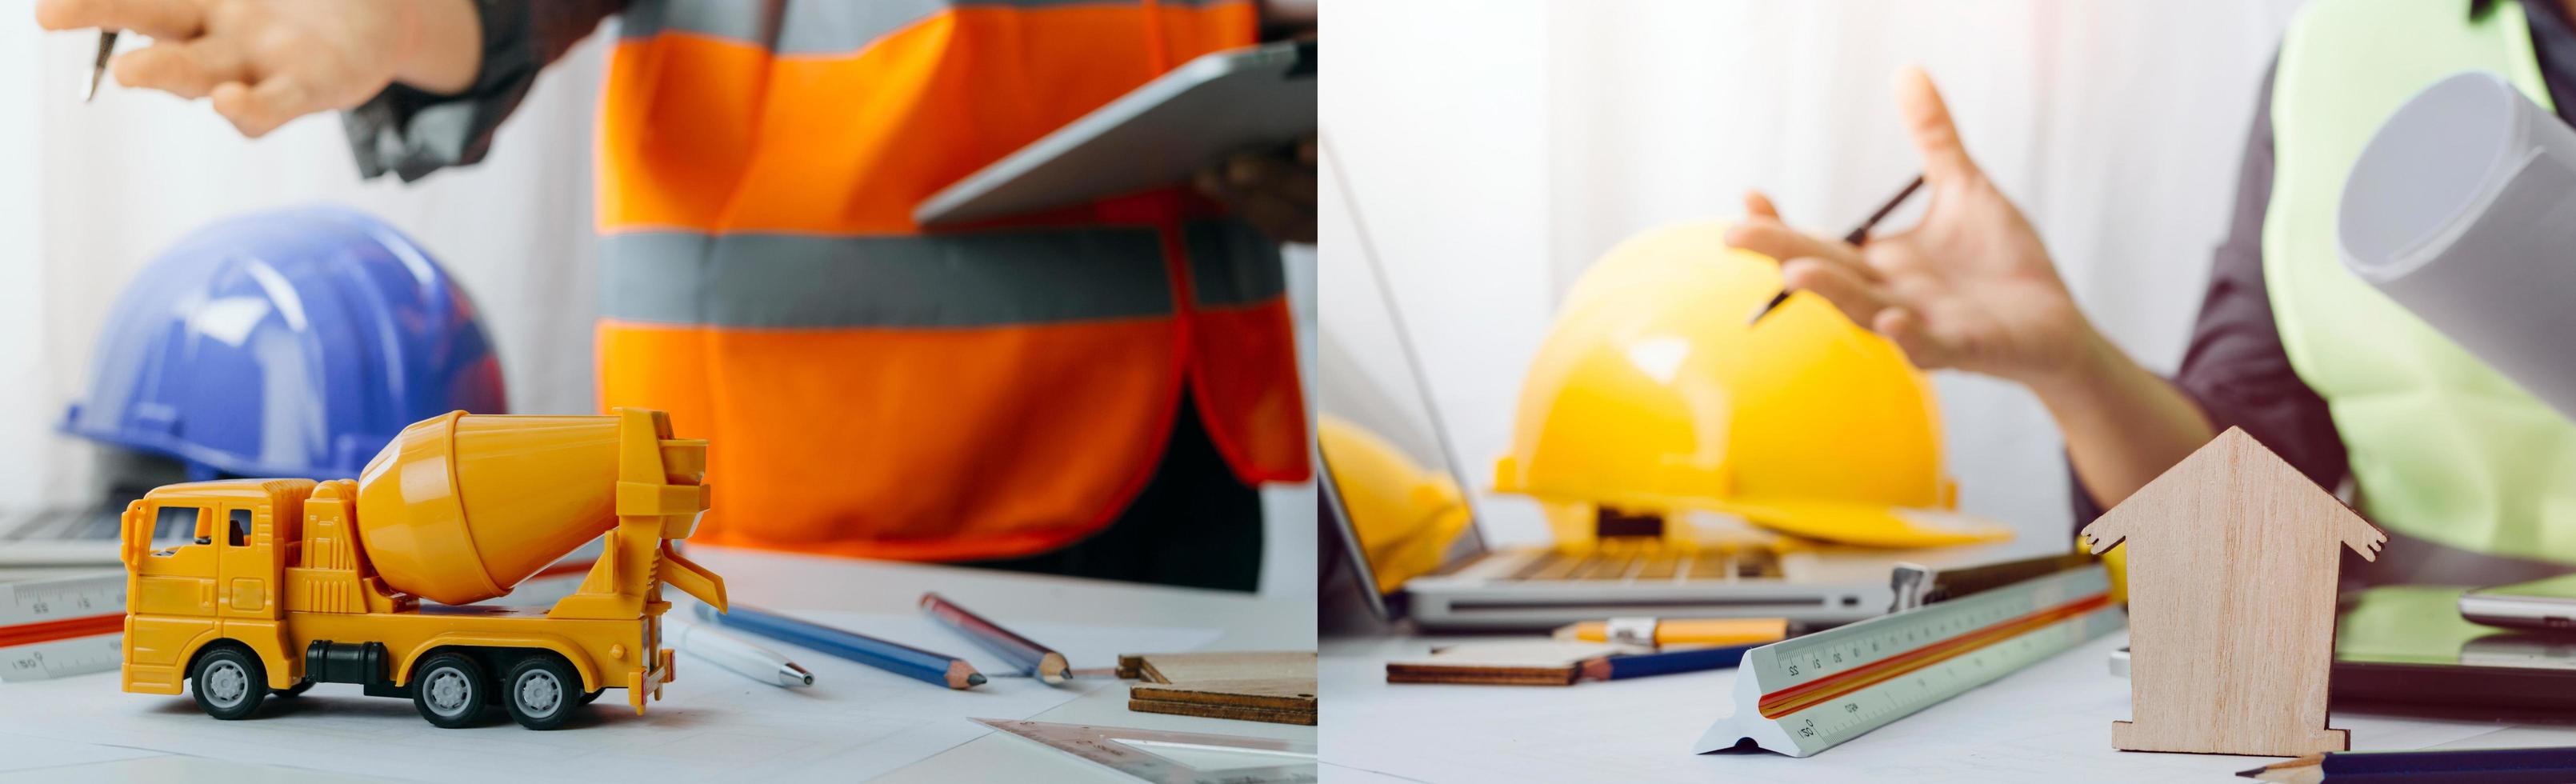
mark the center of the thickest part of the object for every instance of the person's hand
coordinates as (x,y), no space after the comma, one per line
(1275,192)
(264,62)
(1970,288)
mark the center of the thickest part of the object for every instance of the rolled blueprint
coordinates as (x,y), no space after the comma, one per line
(2463,210)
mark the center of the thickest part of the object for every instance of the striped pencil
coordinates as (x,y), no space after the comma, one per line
(897,658)
(1029,656)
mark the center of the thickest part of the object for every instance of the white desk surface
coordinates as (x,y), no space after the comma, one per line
(774,580)
(2050,722)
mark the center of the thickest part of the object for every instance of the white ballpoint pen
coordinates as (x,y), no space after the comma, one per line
(732,653)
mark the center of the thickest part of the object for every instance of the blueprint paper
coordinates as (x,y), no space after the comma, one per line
(2463,210)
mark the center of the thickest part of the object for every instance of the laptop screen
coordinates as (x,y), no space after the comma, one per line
(1392,484)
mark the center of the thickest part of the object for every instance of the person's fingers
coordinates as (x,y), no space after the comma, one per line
(256,110)
(1858,299)
(167,20)
(1759,205)
(188,69)
(1927,120)
(1908,332)
(1770,237)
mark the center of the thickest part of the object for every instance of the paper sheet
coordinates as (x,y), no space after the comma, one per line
(711,724)
(2048,723)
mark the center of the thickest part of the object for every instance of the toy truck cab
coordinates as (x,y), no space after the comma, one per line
(221,584)
(291,582)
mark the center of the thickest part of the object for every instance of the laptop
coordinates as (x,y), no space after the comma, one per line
(1369,380)
(72,536)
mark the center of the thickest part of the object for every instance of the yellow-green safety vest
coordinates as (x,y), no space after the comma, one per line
(2442,447)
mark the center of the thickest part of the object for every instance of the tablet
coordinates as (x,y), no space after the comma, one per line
(2404,644)
(2408,643)
(1157,136)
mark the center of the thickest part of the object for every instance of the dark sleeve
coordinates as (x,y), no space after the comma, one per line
(2236,368)
(412,132)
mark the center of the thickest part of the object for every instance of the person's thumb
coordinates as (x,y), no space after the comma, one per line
(1927,120)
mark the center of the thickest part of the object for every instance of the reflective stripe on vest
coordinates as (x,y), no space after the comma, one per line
(1000,278)
(804,281)
(2441,446)
(873,390)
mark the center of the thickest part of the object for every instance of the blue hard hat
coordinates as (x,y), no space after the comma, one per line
(290,343)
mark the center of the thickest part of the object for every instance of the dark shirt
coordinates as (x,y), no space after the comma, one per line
(412,133)
(2236,367)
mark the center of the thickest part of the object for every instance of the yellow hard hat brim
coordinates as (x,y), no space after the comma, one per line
(1864,525)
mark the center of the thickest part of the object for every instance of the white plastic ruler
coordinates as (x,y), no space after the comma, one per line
(1806,694)
(55,626)
(1132,751)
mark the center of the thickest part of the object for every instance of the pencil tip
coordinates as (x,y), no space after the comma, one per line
(974,679)
(1767,307)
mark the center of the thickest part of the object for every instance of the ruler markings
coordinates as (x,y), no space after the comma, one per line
(1102,746)
(1807,694)
(61,626)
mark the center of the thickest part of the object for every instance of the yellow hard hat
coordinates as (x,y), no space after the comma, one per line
(1655,394)
(1404,516)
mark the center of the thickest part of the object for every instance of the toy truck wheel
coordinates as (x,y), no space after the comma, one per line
(229,682)
(450,690)
(588,696)
(541,691)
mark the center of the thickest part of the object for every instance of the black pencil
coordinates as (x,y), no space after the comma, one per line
(1858,235)
(2449,766)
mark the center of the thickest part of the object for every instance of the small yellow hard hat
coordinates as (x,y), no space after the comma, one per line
(1403,514)
(1654,394)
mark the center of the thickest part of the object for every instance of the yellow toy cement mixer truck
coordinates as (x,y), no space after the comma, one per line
(291,582)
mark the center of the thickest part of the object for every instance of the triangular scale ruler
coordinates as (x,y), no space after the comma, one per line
(58,626)
(1806,694)
(1132,751)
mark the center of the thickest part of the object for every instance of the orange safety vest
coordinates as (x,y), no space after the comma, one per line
(875,390)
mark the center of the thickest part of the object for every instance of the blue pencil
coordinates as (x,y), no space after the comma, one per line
(897,658)
(1611,668)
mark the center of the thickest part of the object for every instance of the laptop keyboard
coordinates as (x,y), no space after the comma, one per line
(1649,561)
(68,523)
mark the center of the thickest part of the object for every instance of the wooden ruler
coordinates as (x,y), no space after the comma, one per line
(1806,694)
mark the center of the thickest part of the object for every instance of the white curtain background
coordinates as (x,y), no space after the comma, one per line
(89,194)
(1499,146)
(95,192)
